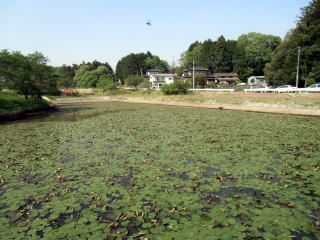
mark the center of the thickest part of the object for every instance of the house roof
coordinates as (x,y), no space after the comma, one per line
(162,75)
(209,76)
(153,70)
(196,69)
(226,79)
(225,74)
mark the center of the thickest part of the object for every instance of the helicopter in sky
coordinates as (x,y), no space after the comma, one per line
(148,23)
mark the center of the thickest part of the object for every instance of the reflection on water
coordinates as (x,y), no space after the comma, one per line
(72,113)
(76,112)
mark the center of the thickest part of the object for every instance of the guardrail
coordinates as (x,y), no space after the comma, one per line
(283,90)
(258,90)
(301,90)
(211,90)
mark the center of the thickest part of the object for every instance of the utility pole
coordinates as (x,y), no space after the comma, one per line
(173,65)
(193,75)
(298,66)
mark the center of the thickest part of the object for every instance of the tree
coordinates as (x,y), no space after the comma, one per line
(27,74)
(88,76)
(155,62)
(137,64)
(282,69)
(218,56)
(133,80)
(257,51)
(314,75)
(200,80)
(65,75)
(106,83)
(220,60)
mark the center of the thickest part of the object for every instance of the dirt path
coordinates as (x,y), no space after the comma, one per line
(281,110)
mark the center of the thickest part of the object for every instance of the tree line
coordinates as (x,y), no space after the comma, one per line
(251,54)
(306,36)
(265,54)
(246,56)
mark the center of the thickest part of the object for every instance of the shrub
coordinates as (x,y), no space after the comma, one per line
(133,81)
(182,86)
(169,89)
(212,85)
(200,81)
(178,87)
(145,84)
(106,83)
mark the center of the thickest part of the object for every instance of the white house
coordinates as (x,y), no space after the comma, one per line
(257,80)
(159,79)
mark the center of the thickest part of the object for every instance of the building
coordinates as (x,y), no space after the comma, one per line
(226,77)
(152,71)
(215,77)
(188,73)
(257,80)
(159,79)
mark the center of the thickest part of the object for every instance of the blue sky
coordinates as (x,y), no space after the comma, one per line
(69,31)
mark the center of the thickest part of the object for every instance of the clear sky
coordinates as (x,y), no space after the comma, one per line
(70,31)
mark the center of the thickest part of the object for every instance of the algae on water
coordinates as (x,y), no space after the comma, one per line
(130,171)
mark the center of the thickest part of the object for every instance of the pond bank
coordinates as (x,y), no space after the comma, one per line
(262,109)
(22,114)
(14,106)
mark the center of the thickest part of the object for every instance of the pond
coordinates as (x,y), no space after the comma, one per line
(131,171)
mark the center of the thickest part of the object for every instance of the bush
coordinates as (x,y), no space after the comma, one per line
(145,84)
(212,85)
(200,81)
(106,83)
(133,81)
(169,89)
(178,87)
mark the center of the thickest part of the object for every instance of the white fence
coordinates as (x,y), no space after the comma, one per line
(283,90)
(211,90)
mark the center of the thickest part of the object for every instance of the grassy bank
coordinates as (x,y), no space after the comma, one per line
(306,100)
(12,103)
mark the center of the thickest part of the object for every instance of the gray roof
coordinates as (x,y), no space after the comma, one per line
(162,75)
(196,69)
(225,74)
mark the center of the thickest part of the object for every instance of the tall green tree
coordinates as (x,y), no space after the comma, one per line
(155,62)
(65,75)
(88,77)
(306,35)
(221,58)
(137,64)
(257,51)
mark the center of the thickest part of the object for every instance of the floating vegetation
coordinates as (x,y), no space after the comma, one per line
(136,171)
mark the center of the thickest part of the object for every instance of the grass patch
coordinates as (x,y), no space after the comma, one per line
(11,102)
(130,171)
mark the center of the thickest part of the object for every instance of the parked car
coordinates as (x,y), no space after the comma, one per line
(316,85)
(285,88)
(259,89)
(314,88)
